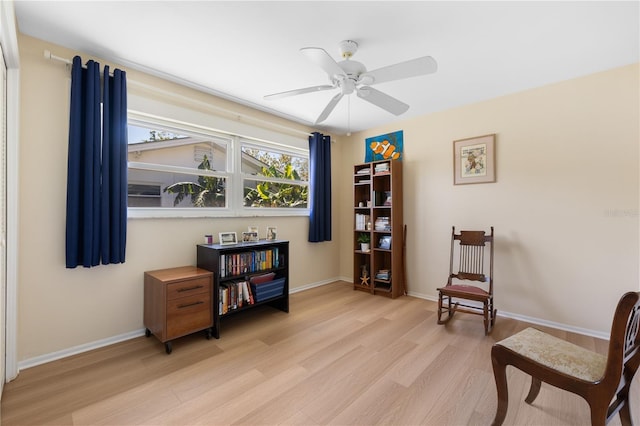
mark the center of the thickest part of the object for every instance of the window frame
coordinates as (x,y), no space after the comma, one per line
(234,176)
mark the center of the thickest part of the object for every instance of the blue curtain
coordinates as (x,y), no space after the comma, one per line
(114,168)
(96,168)
(320,182)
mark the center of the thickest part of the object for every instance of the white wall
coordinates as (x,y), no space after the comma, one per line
(61,309)
(564,207)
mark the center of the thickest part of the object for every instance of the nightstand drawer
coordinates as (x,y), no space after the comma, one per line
(188,288)
(188,313)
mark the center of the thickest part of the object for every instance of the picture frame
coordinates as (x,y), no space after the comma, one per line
(385,242)
(252,229)
(228,238)
(474,160)
(250,237)
(384,147)
(272,233)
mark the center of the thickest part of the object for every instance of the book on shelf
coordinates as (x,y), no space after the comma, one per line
(364,171)
(234,295)
(382,223)
(232,264)
(361,221)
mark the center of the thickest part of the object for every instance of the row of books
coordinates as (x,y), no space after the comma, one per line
(234,295)
(362,220)
(247,262)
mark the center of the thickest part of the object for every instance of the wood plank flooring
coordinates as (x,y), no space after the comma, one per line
(339,357)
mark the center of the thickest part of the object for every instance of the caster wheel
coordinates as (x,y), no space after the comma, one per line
(209,333)
(147,332)
(168,347)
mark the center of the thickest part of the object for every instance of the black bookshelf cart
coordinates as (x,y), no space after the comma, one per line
(234,264)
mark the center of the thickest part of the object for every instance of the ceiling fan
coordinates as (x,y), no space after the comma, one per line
(352,76)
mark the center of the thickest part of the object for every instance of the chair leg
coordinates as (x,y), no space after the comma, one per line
(485,311)
(500,376)
(534,390)
(598,414)
(444,309)
(625,414)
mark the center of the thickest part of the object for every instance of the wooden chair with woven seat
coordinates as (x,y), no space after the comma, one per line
(604,382)
(475,268)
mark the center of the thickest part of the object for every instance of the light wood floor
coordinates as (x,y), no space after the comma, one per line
(339,357)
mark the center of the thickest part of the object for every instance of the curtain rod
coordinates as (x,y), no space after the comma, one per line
(239,116)
(68,62)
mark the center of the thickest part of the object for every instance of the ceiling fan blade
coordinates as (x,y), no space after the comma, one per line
(407,69)
(382,100)
(321,58)
(330,106)
(299,92)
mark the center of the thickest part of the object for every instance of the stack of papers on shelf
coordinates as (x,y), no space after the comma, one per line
(363,171)
(382,224)
(382,167)
(383,274)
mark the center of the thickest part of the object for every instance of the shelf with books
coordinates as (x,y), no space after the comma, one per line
(246,276)
(377,198)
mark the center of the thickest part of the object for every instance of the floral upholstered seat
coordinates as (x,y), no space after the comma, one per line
(557,354)
(604,382)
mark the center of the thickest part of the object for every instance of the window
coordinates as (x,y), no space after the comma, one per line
(273,179)
(177,169)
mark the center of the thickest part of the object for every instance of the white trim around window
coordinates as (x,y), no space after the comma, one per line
(233,175)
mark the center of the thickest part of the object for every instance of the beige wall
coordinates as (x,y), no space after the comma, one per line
(564,207)
(61,308)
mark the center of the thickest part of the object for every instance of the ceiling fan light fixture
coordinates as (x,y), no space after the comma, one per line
(366,79)
(348,48)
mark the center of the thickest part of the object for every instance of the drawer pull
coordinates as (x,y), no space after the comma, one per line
(190,304)
(195,287)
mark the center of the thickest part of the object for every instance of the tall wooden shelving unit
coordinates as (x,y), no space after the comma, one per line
(377,198)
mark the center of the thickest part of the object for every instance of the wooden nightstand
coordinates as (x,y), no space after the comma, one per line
(177,302)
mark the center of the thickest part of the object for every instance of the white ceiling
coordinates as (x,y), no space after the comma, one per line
(244,50)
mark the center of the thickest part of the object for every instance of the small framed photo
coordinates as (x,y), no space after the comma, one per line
(227,238)
(272,232)
(385,242)
(474,160)
(249,237)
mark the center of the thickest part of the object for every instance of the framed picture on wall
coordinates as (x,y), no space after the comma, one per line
(474,160)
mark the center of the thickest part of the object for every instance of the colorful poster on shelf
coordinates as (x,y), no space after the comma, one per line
(384,147)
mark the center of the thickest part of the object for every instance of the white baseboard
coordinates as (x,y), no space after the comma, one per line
(312,285)
(533,320)
(43,359)
(53,356)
